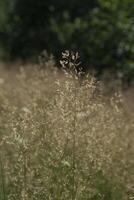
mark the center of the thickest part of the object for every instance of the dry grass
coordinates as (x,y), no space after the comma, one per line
(61,139)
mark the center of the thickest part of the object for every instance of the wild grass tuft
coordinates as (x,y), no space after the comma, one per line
(61,139)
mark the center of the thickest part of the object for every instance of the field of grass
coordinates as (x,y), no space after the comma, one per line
(61,138)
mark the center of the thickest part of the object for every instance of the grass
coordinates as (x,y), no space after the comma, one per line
(61,139)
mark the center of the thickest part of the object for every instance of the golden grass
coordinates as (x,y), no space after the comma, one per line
(61,139)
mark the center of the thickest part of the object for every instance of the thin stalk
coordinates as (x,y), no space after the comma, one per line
(74,144)
(25,176)
(2,185)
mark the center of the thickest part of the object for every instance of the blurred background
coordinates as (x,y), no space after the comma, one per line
(102,31)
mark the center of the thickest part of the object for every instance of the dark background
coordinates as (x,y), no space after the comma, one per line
(102,31)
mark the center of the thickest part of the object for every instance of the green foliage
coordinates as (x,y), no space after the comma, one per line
(102,30)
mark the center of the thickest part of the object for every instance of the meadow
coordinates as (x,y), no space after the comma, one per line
(62,138)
